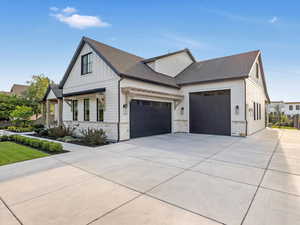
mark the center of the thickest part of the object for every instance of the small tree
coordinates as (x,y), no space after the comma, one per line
(36,91)
(21,115)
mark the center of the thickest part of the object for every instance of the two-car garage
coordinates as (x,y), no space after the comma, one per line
(209,113)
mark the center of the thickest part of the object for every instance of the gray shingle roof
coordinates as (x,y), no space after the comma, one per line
(131,66)
(229,67)
(56,90)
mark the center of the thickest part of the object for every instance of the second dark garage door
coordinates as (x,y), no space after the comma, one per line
(149,118)
(210,112)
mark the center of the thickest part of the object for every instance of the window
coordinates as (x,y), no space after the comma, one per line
(254,110)
(297,107)
(75,109)
(100,111)
(86,109)
(257,71)
(259,117)
(86,64)
(291,107)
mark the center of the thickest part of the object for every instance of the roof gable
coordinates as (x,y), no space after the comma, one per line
(170,54)
(53,88)
(119,61)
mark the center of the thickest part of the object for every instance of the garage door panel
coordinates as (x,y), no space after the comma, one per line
(149,118)
(210,113)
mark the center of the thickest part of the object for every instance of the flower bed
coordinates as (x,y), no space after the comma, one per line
(88,137)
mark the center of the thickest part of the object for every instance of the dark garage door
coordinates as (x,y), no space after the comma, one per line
(149,118)
(210,112)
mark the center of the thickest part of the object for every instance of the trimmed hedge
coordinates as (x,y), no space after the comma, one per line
(20,129)
(33,142)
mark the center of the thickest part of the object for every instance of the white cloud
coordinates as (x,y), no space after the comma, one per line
(81,21)
(69,10)
(54,9)
(273,20)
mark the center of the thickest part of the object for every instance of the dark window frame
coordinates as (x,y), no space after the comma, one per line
(75,110)
(259,110)
(100,112)
(297,107)
(291,107)
(257,70)
(254,110)
(86,110)
(88,64)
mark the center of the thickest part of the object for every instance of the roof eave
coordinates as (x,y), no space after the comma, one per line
(214,80)
(148,81)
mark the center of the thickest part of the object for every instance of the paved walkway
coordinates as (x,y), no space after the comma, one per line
(175,179)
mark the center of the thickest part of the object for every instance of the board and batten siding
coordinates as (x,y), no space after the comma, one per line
(255,94)
(237,98)
(177,125)
(102,76)
(171,65)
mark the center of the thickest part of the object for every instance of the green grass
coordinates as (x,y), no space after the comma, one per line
(284,127)
(11,152)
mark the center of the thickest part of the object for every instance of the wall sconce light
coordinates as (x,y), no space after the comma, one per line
(181,110)
(125,106)
(237,109)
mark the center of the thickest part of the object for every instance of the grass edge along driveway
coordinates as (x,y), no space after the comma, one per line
(11,152)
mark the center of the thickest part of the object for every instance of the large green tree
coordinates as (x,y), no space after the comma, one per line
(8,103)
(21,115)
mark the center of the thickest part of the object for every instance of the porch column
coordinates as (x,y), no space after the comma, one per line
(43,109)
(60,112)
(47,113)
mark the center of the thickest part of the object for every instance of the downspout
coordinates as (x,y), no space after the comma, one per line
(119,108)
(245,99)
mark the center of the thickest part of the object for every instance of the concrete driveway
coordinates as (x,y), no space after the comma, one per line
(182,179)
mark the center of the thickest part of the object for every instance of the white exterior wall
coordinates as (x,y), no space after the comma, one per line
(178,125)
(171,65)
(102,76)
(51,95)
(237,93)
(289,112)
(255,93)
(284,108)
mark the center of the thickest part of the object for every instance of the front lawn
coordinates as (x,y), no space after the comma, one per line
(11,152)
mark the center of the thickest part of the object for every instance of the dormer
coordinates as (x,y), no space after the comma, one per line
(171,64)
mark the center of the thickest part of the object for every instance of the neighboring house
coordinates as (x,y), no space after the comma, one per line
(286,108)
(129,96)
(16,89)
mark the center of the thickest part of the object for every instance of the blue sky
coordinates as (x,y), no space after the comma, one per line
(40,36)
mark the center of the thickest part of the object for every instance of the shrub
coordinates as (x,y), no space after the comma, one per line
(45,145)
(38,128)
(93,136)
(4,138)
(35,143)
(61,131)
(19,129)
(55,147)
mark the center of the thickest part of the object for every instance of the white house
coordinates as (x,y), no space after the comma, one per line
(286,108)
(129,96)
